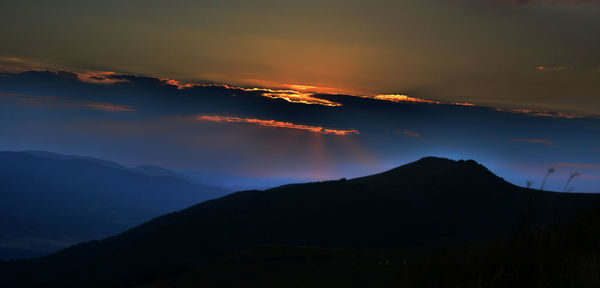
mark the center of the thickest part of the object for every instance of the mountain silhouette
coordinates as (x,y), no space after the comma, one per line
(150,170)
(51,201)
(432,200)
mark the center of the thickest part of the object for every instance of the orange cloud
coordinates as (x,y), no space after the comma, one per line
(99,77)
(276,124)
(180,85)
(532,140)
(305,94)
(109,107)
(290,95)
(463,104)
(403,98)
(18,65)
(554,68)
(65,102)
(296,86)
(299,97)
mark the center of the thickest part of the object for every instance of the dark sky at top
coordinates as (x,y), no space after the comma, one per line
(540,54)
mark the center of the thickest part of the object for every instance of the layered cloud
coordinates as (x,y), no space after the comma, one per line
(100,77)
(65,102)
(276,124)
(545,113)
(532,140)
(586,166)
(400,98)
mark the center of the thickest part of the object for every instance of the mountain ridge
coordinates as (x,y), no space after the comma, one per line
(147,169)
(427,201)
(79,200)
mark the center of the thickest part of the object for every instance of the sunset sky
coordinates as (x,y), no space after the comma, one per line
(535,54)
(306,90)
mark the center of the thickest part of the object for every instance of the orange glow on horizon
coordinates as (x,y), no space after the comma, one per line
(276,124)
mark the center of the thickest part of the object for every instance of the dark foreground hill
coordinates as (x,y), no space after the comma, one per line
(567,255)
(50,201)
(429,202)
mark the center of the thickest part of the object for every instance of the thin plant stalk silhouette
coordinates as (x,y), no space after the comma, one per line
(573,175)
(529,183)
(550,171)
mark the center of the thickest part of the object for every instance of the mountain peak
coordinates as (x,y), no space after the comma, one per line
(428,170)
(434,160)
(441,160)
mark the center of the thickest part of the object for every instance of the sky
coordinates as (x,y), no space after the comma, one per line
(263,92)
(260,136)
(508,53)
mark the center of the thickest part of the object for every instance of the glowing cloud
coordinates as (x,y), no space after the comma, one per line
(99,77)
(463,104)
(178,84)
(290,95)
(18,65)
(554,69)
(403,98)
(299,97)
(276,124)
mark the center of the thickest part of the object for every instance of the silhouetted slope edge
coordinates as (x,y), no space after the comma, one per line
(432,200)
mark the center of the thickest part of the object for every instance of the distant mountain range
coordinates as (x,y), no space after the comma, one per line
(149,170)
(428,202)
(51,201)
